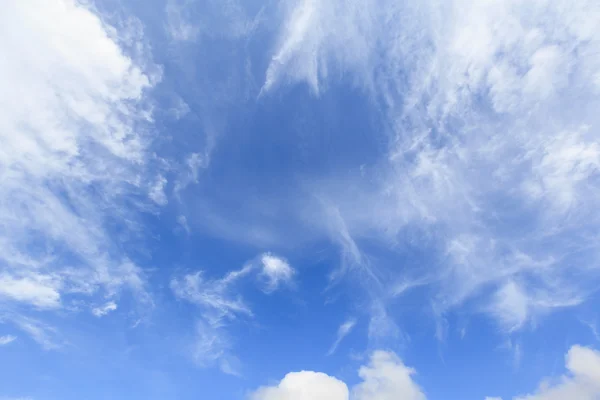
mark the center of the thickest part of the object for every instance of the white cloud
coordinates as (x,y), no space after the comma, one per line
(304,385)
(385,377)
(276,271)
(72,117)
(342,332)
(45,335)
(220,304)
(493,156)
(104,309)
(582,381)
(39,290)
(157,191)
(7,339)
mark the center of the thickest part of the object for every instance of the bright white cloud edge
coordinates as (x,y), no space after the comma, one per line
(387,378)
(73,145)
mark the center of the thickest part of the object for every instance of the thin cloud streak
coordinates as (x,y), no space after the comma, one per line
(342,332)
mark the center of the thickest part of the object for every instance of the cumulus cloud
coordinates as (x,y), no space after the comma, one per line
(493,144)
(304,385)
(582,381)
(72,127)
(385,377)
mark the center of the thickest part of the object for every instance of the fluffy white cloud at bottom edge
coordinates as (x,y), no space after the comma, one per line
(387,378)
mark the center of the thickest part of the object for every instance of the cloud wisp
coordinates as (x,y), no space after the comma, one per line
(74,131)
(7,339)
(220,303)
(342,332)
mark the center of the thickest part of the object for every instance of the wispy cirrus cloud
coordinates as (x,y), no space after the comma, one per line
(103,310)
(220,304)
(342,332)
(492,160)
(74,127)
(45,335)
(7,339)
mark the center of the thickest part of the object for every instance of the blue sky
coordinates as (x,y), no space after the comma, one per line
(299,199)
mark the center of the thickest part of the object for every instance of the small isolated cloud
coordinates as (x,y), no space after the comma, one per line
(342,332)
(276,270)
(385,377)
(104,309)
(7,339)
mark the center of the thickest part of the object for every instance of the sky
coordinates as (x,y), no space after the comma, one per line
(300,199)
